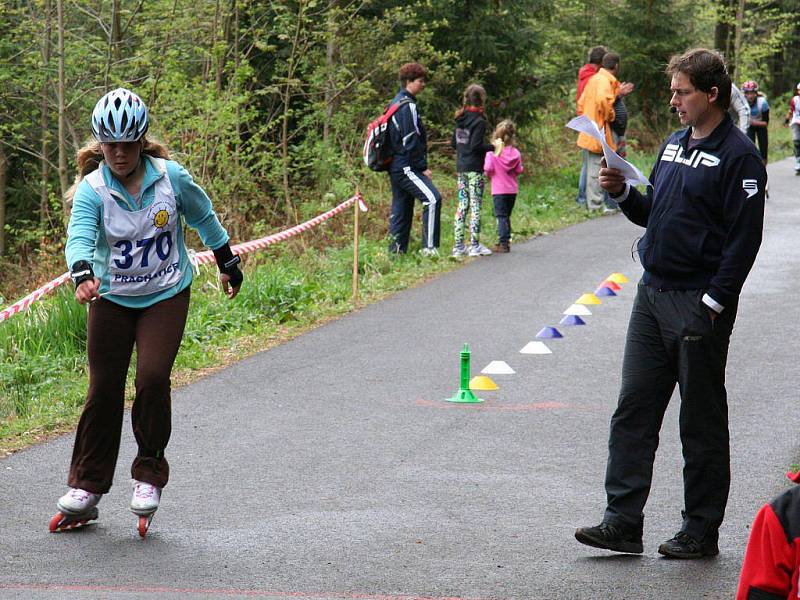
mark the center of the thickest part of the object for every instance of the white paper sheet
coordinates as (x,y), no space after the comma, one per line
(584,124)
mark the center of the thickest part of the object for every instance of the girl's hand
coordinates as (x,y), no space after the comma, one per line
(498,146)
(227,288)
(87,291)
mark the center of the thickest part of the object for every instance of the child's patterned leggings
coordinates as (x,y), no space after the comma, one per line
(470,197)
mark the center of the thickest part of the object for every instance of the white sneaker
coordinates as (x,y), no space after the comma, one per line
(430,252)
(459,251)
(479,250)
(77,501)
(145,497)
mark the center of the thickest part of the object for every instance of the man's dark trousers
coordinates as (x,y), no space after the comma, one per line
(408,185)
(671,339)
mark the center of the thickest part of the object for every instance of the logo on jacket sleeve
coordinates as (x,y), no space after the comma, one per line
(674,153)
(750,186)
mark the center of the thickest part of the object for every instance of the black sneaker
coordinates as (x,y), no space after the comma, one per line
(611,537)
(684,545)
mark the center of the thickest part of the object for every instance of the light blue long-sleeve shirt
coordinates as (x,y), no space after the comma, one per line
(86,238)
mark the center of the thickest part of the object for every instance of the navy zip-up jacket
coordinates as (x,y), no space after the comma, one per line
(409,140)
(704,214)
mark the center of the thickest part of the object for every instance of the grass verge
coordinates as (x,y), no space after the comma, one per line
(293,288)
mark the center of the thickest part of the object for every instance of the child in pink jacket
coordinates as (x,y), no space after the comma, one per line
(503,166)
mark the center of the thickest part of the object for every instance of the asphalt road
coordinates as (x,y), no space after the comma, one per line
(330,467)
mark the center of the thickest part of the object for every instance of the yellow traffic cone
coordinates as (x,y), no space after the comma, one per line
(617,278)
(482,383)
(588,299)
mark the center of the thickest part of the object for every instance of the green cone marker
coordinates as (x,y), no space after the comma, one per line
(464,394)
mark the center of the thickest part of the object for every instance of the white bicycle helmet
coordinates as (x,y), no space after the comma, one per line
(119,116)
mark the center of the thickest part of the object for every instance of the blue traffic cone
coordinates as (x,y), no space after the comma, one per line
(572,320)
(604,291)
(549,332)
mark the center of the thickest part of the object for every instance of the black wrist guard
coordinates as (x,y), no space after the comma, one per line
(81,271)
(236,275)
(227,263)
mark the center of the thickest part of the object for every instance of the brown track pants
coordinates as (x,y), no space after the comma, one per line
(112,331)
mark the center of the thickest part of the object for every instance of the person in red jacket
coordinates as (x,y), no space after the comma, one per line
(772,560)
(585,73)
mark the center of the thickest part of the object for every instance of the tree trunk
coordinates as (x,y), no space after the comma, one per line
(287,109)
(737,45)
(159,70)
(44,194)
(222,57)
(210,58)
(3,175)
(116,31)
(62,144)
(723,30)
(330,60)
(237,60)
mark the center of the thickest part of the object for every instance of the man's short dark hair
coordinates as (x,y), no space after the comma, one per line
(411,71)
(705,69)
(596,54)
(610,60)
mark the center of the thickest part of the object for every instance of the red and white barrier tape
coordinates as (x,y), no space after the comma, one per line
(26,302)
(199,258)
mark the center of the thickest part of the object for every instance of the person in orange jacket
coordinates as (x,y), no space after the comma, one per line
(585,73)
(597,103)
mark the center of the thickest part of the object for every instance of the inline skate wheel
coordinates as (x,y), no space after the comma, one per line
(65,522)
(57,519)
(144,525)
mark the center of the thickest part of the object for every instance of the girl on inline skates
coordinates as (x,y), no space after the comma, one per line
(126,254)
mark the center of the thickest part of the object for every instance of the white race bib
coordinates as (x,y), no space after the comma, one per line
(143,253)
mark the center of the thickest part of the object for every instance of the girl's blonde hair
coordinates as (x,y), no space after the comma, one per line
(475,96)
(506,131)
(88,159)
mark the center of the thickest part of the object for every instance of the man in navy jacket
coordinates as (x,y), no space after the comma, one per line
(409,173)
(703,217)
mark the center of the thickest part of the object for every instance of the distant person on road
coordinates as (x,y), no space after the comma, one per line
(771,564)
(409,174)
(740,109)
(793,121)
(759,118)
(503,166)
(469,141)
(126,253)
(703,216)
(595,60)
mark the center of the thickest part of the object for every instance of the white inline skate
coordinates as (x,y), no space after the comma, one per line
(75,509)
(144,503)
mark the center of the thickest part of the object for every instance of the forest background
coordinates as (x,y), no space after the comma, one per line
(266,104)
